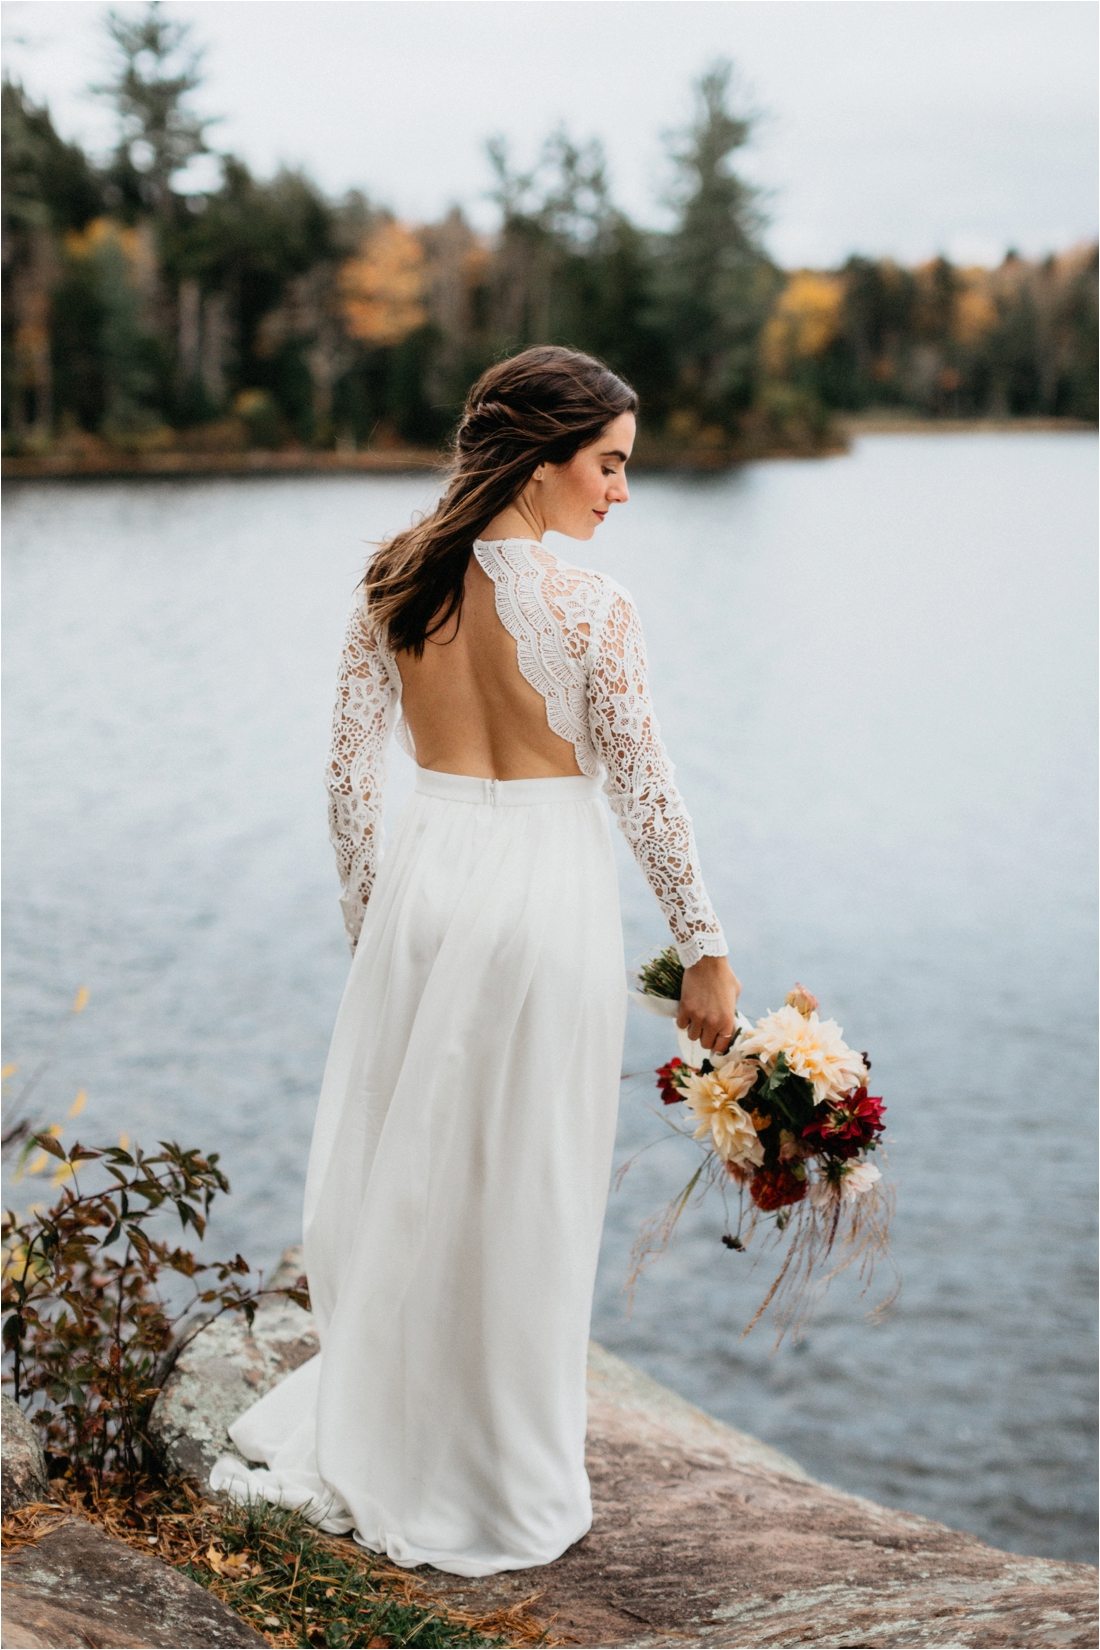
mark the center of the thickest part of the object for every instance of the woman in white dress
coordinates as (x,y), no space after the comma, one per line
(462,1149)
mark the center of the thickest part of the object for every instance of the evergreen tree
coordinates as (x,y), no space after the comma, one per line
(156,72)
(717,282)
(572,269)
(49,188)
(46,181)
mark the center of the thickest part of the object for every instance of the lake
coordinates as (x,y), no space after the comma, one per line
(876,676)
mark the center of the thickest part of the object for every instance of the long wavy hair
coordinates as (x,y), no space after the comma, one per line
(539,407)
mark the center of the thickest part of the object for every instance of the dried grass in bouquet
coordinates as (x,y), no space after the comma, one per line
(785,1121)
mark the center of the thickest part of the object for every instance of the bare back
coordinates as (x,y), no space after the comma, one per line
(467,706)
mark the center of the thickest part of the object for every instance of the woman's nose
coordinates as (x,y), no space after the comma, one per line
(618,492)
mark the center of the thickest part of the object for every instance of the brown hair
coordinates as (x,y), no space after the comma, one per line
(539,407)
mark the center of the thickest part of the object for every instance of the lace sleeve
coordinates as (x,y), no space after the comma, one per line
(640,786)
(366,701)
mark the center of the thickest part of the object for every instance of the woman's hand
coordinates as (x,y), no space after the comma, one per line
(708,1003)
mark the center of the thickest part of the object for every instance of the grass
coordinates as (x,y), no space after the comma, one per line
(289,1581)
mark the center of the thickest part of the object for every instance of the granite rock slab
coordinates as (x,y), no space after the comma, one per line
(23,1477)
(78,1586)
(224,1370)
(702,1535)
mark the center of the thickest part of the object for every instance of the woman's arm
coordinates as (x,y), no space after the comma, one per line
(366,701)
(652,817)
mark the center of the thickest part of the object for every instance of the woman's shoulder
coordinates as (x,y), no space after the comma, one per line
(596,589)
(552,595)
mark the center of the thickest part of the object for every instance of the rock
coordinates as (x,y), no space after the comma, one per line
(78,1586)
(22,1465)
(702,1535)
(224,1370)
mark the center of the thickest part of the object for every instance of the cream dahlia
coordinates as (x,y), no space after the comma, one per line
(814,1049)
(855,1179)
(714,1100)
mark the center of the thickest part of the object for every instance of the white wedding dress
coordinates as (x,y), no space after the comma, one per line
(462,1149)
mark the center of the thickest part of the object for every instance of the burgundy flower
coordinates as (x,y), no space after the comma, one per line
(844,1126)
(666,1081)
(775,1188)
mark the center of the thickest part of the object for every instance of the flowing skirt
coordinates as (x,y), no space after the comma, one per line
(456,1190)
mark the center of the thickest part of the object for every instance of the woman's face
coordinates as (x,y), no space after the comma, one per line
(574,498)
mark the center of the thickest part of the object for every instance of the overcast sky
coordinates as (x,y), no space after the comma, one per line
(907,127)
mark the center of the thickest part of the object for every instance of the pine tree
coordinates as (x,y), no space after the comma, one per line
(156,72)
(716,281)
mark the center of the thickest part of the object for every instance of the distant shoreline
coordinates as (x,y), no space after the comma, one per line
(884,422)
(164,465)
(176,462)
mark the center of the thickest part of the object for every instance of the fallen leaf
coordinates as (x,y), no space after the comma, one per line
(231,1565)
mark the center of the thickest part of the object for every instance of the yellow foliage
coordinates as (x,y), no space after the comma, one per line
(101,233)
(78,1104)
(975,312)
(9,1071)
(382,289)
(804,320)
(80,1000)
(683,424)
(14,1259)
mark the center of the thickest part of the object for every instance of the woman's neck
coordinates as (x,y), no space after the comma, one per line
(515,522)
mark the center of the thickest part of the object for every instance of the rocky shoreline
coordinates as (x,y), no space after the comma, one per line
(703,1536)
(93,459)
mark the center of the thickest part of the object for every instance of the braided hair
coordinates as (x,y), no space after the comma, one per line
(539,407)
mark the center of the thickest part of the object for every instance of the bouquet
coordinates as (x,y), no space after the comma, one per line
(785,1121)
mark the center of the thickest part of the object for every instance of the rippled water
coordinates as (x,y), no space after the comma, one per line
(876,676)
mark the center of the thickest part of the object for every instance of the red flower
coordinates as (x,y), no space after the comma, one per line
(845,1126)
(666,1081)
(775,1188)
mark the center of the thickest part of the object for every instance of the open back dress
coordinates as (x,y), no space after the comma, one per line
(462,1150)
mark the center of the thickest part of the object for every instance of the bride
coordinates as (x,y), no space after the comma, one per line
(462,1149)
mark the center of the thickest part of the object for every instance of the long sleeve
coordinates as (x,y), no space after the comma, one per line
(366,703)
(640,784)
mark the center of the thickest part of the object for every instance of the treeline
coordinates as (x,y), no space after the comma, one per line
(140,313)
(1017,340)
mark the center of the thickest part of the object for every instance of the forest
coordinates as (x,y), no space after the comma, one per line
(261,314)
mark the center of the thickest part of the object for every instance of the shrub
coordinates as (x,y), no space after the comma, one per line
(88,1335)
